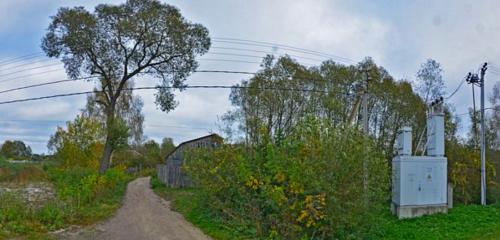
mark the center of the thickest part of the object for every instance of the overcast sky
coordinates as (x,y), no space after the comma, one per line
(399,36)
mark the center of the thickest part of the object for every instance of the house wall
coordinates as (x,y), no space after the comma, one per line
(171,172)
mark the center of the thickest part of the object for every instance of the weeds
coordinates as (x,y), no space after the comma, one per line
(83,197)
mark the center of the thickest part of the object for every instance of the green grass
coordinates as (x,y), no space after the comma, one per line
(192,205)
(83,197)
(462,222)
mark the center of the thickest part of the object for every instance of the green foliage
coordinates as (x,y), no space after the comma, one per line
(337,89)
(83,197)
(167,146)
(80,144)
(15,150)
(310,184)
(464,172)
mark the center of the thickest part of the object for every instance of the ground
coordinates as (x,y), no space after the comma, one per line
(144,215)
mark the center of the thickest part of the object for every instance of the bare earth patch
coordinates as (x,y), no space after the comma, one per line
(144,215)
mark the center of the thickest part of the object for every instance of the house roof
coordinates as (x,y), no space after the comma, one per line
(194,140)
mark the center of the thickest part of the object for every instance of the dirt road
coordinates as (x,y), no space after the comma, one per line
(143,215)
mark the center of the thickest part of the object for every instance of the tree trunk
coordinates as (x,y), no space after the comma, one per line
(108,145)
(106,155)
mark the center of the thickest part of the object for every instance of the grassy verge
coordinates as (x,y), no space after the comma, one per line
(82,197)
(462,222)
(191,203)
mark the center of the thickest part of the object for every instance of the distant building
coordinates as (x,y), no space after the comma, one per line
(171,172)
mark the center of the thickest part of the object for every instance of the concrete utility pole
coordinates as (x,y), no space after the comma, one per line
(475,80)
(483,143)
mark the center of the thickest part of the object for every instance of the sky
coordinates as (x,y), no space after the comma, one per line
(398,35)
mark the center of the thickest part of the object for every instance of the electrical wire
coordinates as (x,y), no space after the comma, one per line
(33,68)
(90,77)
(28,63)
(489,108)
(267,52)
(29,75)
(160,87)
(46,83)
(288,47)
(456,90)
(227,60)
(20,58)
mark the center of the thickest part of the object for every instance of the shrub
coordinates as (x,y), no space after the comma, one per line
(84,186)
(308,185)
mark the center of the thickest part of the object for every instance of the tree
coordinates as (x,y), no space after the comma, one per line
(80,144)
(494,118)
(167,146)
(118,43)
(128,109)
(15,150)
(152,153)
(430,84)
(267,107)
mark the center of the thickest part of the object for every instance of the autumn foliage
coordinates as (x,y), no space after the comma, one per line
(309,185)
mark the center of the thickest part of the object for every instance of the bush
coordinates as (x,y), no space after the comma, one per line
(84,186)
(464,166)
(308,185)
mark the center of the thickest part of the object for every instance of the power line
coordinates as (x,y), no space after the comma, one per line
(266,52)
(54,70)
(465,113)
(234,54)
(20,58)
(288,47)
(28,63)
(64,121)
(227,60)
(29,75)
(456,90)
(90,77)
(45,84)
(27,69)
(160,87)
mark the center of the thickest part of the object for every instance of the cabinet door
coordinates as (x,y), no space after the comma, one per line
(428,185)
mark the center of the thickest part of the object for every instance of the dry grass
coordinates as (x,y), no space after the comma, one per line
(22,173)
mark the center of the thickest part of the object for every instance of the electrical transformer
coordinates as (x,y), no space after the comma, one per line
(419,183)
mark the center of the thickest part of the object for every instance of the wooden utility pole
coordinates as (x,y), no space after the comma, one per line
(366,131)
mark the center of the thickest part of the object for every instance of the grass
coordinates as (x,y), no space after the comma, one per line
(21,173)
(83,197)
(462,222)
(192,205)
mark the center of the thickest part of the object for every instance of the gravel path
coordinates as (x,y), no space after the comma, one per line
(144,215)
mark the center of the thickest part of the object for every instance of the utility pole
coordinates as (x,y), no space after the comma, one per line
(474,79)
(366,131)
(365,103)
(483,143)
